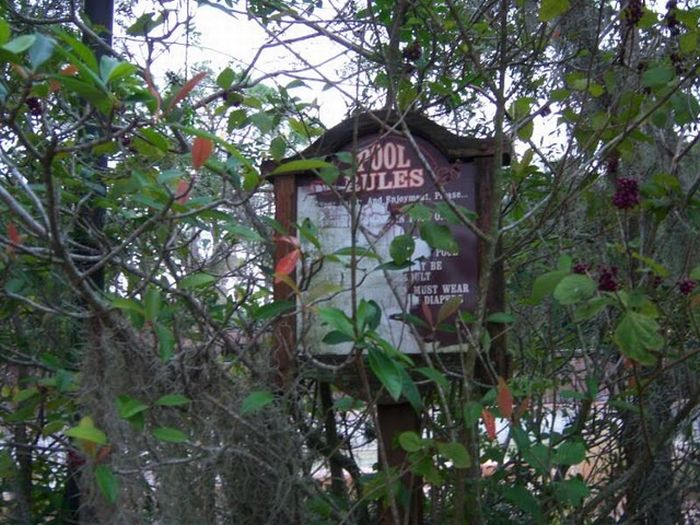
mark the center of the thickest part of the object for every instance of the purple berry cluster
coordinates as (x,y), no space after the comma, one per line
(686,286)
(581,267)
(607,279)
(633,12)
(671,19)
(34,105)
(678,63)
(412,52)
(626,193)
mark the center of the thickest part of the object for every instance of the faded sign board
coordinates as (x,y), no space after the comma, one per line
(396,188)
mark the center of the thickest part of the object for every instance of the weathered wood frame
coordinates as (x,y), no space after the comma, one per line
(454,148)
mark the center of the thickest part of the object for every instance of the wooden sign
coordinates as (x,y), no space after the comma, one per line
(389,185)
(413,255)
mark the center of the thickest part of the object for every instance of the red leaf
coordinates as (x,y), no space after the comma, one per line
(14,236)
(185,90)
(489,423)
(448,308)
(504,399)
(69,70)
(522,408)
(152,89)
(286,264)
(103,454)
(201,151)
(182,192)
(289,240)
(428,314)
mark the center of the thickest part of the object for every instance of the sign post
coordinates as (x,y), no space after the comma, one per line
(425,188)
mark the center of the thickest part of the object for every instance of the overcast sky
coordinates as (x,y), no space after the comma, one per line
(224,40)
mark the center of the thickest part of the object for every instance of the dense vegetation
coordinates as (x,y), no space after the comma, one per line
(137,235)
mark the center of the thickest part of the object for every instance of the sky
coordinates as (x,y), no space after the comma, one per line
(224,40)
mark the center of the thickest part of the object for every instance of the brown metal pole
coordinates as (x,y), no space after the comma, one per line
(393,420)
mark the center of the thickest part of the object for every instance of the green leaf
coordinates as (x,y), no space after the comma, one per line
(520,437)
(401,249)
(144,24)
(346,403)
(20,44)
(525,131)
(590,309)
(169,435)
(272,310)
(570,453)
(369,315)
(278,146)
(545,285)
(550,9)
(107,483)
(24,394)
(87,431)
(152,302)
(537,456)
(99,98)
(434,375)
(574,288)
(450,216)
(424,467)
(336,338)
(337,319)
(500,317)
(456,453)
(358,251)
(418,211)
(636,334)
(522,498)
(41,50)
(521,107)
(129,406)
(410,391)
(120,70)
(52,427)
(410,441)
(243,232)
(296,166)
(196,280)
(173,400)
(79,49)
(166,341)
(5,31)
(571,491)
(388,371)
(256,401)
(596,90)
(658,76)
(225,78)
(438,236)
(695,273)
(309,231)
(472,413)
(564,263)
(688,42)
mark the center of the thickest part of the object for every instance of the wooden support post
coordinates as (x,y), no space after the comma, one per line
(395,419)
(285,330)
